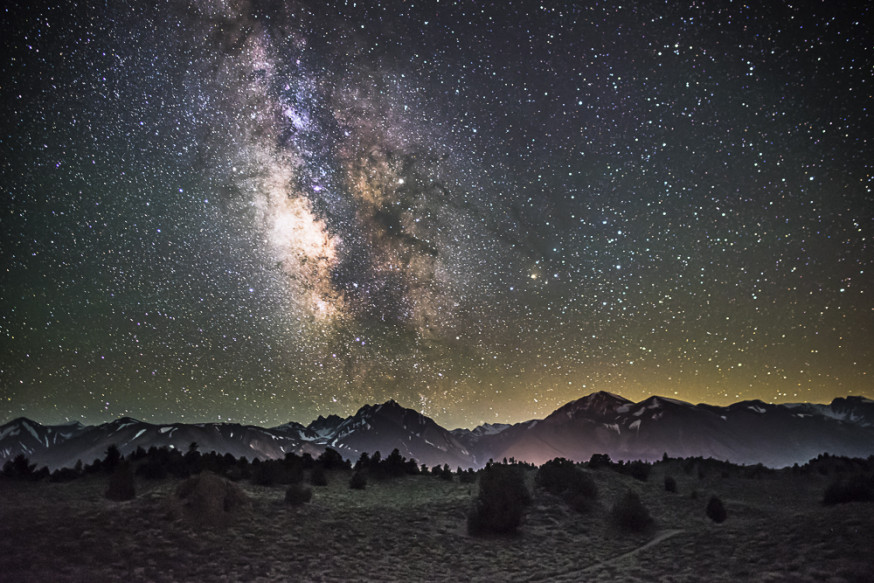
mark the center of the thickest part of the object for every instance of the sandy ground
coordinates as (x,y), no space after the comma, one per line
(413,529)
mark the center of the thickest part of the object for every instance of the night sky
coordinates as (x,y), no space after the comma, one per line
(263,211)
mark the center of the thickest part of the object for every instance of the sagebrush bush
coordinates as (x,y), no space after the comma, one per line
(629,513)
(857,488)
(501,501)
(298,494)
(207,500)
(715,510)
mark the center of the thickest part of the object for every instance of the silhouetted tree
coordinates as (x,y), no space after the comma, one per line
(394,464)
(317,476)
(193,461)
(63,475)
(563,478)
(599,460)
(154,468)
(332,460)
(121,483)
(113,456)
(358,480)
(467,477)
(363,462)
(272,472)
(19,468)
(639,470)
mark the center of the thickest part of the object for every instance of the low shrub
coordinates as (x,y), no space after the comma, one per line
(715,510)
(298,494)
(629,513)
(857,488)
(207,500)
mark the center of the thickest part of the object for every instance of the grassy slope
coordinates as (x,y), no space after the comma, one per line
(414,529)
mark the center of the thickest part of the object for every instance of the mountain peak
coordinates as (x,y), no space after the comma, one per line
(20,420)
(852,399)
(658,400)
(389,407)
(599,404)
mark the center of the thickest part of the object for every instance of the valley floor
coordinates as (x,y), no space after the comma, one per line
(413,529)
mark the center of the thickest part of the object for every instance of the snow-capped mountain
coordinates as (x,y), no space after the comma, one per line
(58,448)
(325,427)
(28,437)
(373,428)
(857,410)
(747,432)
(389,426)
(469,437)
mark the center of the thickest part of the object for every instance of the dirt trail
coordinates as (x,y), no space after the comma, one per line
(574,574)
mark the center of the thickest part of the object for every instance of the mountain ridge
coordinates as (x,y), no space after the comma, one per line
(749,431)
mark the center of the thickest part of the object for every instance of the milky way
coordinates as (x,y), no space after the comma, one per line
(265,211)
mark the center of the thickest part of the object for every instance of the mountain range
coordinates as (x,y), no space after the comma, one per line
(747,432)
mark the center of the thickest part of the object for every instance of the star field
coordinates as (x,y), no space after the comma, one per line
(264,211)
